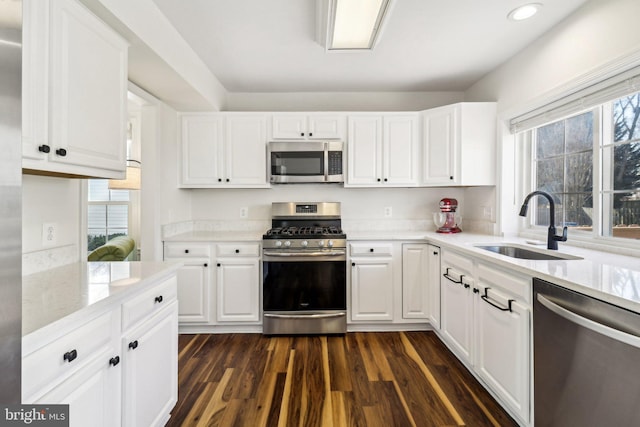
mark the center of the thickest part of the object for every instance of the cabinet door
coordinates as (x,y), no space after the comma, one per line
(88,89)
(150,365)
(371,289)
(193,291)
(323,126)
(289,126)
(415,281)
(93,394)
(433,286)
(502,347)
(400,150)
(245,151)
(238,290)
(364,150)
(456,311)
(201,150)
(439,145)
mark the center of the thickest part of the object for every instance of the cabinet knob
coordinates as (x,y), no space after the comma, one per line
(228,180)
(435,252)
(371,250)
(353,264)
(158,299)
(466,285)
(133,345)
(378,179)
(114,360)
(44,148)
(186,251)
(206,265)
(301,133)
(70,356)
(310,133)
(237,251)
(219,179)
(218,265)
(61,152)
(385,180)
(451,177)
(476,290)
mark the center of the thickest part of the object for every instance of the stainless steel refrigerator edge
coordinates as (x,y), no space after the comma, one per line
(10,204)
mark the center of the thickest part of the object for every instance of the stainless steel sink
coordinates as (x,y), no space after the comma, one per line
(522,252)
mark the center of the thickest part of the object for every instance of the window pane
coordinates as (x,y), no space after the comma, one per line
(579,133)
(550,140)
(119,195)
(578,209)
(117,216)
(96,238)
(550,175)
(97,216)
(98,190)
(626,169)
(579,172)
(626,118)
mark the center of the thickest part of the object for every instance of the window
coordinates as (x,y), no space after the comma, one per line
(107,213)
(601,196)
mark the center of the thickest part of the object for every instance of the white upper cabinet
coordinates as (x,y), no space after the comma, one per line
(459,145)
(383,150)
(223,150)
(74,91)
(308,126)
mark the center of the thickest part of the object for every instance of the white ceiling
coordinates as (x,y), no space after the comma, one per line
(427,45)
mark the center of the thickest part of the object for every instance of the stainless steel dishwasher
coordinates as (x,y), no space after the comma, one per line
(586,360)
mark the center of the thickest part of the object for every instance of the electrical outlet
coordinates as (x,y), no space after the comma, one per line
(244,212)
(49,234)
(388,212)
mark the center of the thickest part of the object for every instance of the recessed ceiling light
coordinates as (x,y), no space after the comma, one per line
(524,12)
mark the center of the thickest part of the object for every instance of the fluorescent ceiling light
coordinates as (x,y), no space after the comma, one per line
(524,12)
(355,24)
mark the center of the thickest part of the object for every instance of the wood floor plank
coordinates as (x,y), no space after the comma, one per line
(359,379)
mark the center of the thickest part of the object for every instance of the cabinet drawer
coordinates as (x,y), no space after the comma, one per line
(371,249)
(50,364)
(514,285)
(186,250)
(239,249)
(149,302)
(457,261)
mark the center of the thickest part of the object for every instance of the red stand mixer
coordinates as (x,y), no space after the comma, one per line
(447,219)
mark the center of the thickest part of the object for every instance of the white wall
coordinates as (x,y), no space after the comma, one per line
(601,32)
(56,201)
(599,40)
(340,101)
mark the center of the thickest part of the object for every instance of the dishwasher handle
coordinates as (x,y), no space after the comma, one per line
(594,326)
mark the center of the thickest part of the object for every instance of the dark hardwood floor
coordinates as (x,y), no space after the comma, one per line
(360,379)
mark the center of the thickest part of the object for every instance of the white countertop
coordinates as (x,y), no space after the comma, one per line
(60,295)
(609,277)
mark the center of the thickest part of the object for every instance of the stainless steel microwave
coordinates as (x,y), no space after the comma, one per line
(292,162)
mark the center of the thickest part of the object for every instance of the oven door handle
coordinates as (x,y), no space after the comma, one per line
(306,316)
(304,254)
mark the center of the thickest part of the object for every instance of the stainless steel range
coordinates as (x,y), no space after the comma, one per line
(304,270)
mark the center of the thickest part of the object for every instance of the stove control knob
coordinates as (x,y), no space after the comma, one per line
(278,243)
(304,243)
(330,243)
(287,243)
(321,243)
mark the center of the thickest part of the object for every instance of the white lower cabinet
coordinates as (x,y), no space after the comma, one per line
(371,281)
(415,281)
(238,282)
(150,381)
(486,322)
(503,324)
(194,280)
(434,299)
(120,367)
